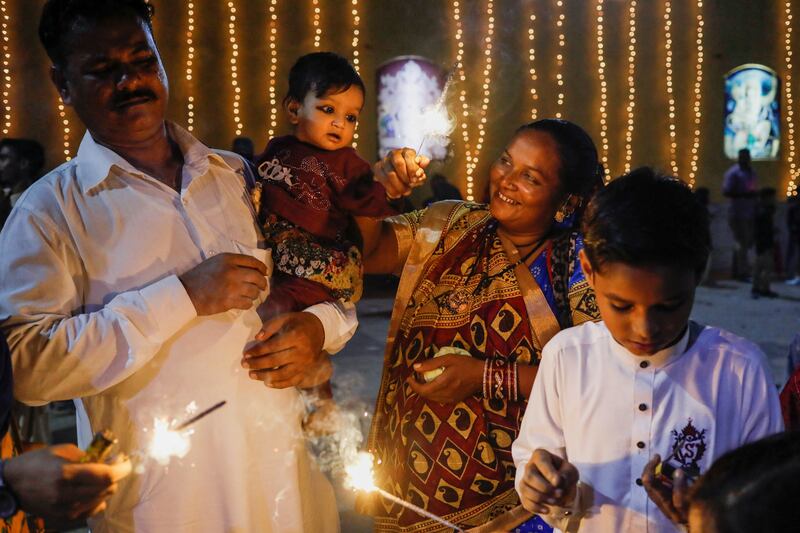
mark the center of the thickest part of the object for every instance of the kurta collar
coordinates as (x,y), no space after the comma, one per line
(95,162)
(658,359)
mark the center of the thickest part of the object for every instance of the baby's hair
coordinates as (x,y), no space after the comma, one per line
(323,73)
(647,219)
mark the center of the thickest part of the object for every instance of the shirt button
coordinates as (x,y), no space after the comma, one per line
(643,407)
(640,445)
(644,364)
(639,481)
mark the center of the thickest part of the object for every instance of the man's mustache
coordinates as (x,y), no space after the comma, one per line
(120,99)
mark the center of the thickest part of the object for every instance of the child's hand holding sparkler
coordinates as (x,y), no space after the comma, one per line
(401,171)
(549,480)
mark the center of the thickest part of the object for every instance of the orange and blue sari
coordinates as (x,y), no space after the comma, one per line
(461,287)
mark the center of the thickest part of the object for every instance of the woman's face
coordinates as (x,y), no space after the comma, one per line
(525,190)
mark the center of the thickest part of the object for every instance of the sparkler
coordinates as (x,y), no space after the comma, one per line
(169,441)
(434,120)
(359,477)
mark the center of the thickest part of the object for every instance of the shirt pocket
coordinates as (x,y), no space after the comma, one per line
(263,255)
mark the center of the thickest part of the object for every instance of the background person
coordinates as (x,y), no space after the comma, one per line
(21,161)
(493,284)
(740,185)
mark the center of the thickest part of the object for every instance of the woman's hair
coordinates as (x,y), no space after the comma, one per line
(59,17)
(755,487)
(321,72)
(580,173)
(645,218)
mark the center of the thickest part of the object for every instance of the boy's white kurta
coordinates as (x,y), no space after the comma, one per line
(608,411)
(93,309)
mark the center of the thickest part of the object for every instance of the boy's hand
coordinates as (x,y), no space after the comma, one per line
(462,377)
(673,502)
(548,480)
(400,171)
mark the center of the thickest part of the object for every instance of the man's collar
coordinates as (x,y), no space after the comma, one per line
(95,162)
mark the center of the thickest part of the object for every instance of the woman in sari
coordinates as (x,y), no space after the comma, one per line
(484,287)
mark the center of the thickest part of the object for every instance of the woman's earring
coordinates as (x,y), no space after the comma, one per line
(560,216)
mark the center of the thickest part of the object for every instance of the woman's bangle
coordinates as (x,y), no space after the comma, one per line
(500,379)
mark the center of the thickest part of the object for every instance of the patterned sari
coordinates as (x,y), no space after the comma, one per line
(460,288)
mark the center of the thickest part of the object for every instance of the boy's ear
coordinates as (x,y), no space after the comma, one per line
(60,81)
(586,266)
(292,107)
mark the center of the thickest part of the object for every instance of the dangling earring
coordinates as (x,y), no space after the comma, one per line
(560,216)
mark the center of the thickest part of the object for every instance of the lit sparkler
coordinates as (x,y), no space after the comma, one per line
(172,440)
(359,477)
(435,120)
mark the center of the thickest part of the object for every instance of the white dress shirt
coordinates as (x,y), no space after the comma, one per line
(93,309)
(608,412)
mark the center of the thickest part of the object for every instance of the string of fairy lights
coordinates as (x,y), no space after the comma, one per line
(234,60)
(631,107)
(472,124)
(6,67)
(356,53)
(562,43)
(673,140)
(272,79)
(532,63)
(317,23)
(462,77)
(189,65)
(791,152)
(601,77)
(698,94)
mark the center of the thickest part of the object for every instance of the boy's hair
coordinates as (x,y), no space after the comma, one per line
(643,219)
(321,72)
(755,485)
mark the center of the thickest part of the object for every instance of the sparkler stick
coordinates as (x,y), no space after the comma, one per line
(418,510)
(200,415)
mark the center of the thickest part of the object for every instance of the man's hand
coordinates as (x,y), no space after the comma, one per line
(548,480)
(674,501)
(288,352)
(462,377)
(225,281)
(400,171)
(50,483)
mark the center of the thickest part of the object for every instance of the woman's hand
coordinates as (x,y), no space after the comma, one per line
(400,171)
(461,377)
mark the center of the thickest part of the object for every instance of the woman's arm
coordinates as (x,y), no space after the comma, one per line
(380,254)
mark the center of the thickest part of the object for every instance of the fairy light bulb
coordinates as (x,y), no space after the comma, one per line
(673,143)
(698,95)
(234,60)
(7,111)
(631,107)
(532,63)
(601,77)
(791,152)
(190,66)
(356,18)
(562,43)
(272,81)
(317,23)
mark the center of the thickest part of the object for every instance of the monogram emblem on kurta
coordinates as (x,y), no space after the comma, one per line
(688,447)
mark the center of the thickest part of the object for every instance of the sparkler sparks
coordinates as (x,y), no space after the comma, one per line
(172,440)
(359,477)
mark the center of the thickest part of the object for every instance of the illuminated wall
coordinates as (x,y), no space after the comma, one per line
(642,101)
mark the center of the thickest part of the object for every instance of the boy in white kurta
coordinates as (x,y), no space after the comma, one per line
(612,399)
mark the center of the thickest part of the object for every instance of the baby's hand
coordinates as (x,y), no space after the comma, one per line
(548,480)
(400,171)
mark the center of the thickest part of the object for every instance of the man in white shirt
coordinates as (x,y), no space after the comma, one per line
(129,278)
(612,399)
